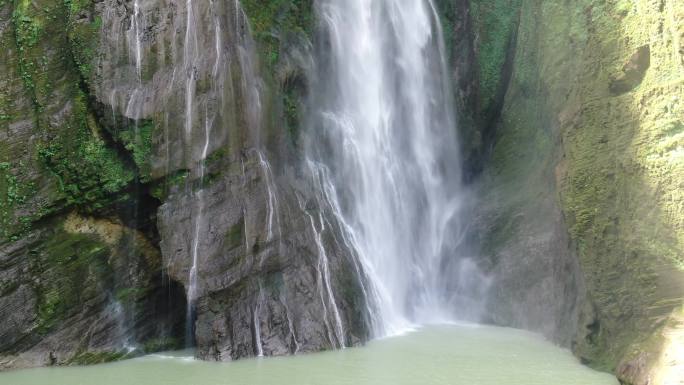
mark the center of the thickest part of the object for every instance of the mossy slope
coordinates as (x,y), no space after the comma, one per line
(589,117)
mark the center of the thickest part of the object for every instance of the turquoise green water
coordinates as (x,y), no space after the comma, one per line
(453,355)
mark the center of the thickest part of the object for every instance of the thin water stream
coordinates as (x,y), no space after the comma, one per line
(440,355)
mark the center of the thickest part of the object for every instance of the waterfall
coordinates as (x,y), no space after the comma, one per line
(324,286)
(134,110)
(290,326)
(271,208)
(190,53)
(138,38)
(189,56)
(272,202)
(382,147)
(257,323)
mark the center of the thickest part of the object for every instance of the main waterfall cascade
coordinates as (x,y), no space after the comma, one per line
(383,150)
(383,153)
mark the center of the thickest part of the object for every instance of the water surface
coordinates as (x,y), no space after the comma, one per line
(453,355)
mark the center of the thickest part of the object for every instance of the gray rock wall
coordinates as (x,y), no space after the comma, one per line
(199,125)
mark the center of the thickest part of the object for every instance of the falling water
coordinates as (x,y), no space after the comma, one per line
(138,38)
(134,111)
(271,217)
(290,326)
(271,203)
(190,52)
(384,148)
(257,322)
(323,280)
(189,56)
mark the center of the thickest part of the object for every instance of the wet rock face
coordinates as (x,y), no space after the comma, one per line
(522,242)
(78,278)
(76,292)
(582,181)
(260,286)
(160,106)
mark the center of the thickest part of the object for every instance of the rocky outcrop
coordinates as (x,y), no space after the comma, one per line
(582,193)
(79,277)
(164,135)
(82,291)
(633,72)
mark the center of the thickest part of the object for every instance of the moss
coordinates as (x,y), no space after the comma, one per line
(447,15)
(273,20)
(82,34)
(292,96)
(13,193)
(27,33)
(138,141)
(217,156)
(495,22)
(55,43)
(615,160)
(235,235)
(101,357)
(278,26)
(5,107)
(89,172)
(162,344)
(160,189)
(69,266)
(129,294)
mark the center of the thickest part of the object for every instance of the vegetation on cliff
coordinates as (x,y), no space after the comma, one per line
(594,111)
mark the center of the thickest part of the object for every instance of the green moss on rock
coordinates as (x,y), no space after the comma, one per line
(278,27)
(138,141)
(614,155)
(235,235)
(162,344)
(83,34)
(272,21)
(89,172)
(101,357)
(70,267)
(495,24)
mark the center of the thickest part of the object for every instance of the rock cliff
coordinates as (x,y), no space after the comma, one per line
(581,209)
(141,138)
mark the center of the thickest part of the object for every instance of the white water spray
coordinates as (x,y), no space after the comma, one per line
(271,203)
(324,287)
(257,323)
(271,217)
(134,38)
(190,54)
(385,149)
